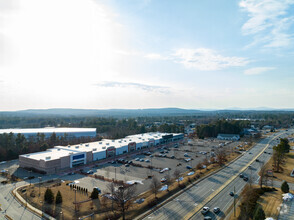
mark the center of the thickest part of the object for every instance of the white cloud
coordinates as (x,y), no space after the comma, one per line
(268,21)
(257,70)
(156,56)
(206,59)
(145,87)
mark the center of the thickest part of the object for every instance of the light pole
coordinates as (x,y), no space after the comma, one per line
(234,203)
(40,178)
(30,176)
(75,200)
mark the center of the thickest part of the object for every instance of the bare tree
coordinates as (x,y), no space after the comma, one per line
(199,167)
(122,196)
(154,186)
(262,175)
(177,175)
(205,162)
(221,156)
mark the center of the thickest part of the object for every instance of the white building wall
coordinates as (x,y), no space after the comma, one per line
(120,150)
(99,155)
(138,146)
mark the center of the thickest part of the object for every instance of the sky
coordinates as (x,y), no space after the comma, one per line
(102,54)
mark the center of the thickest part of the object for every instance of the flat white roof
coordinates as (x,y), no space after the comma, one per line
(50,154)
(46,130)
(97,146)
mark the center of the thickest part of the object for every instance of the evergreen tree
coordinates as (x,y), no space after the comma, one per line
(58,199)
(259,214)
(49,196)
(94,194)
(285,187)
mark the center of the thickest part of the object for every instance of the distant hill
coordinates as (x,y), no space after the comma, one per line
(63,112)
(101,113)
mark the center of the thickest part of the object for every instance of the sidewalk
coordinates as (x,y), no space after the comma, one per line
(30,207)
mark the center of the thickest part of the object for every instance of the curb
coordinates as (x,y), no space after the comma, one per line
(140,217)
(234,177)
(29,206)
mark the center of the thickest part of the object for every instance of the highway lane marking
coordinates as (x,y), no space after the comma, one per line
(197,209)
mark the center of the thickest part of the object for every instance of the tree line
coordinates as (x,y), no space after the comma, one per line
(221,126)
(11,146)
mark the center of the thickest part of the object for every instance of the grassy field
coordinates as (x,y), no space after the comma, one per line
(288,166)
(67,207)
(270,202)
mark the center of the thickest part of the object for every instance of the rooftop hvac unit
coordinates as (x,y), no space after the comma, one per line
(58,149)
(68,145)
(107,143)
(87,145)
(100,142)
(48,158)
(77,147)
(103,147)
(94,149)
(112,140)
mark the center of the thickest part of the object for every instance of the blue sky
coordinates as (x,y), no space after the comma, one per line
(101,54)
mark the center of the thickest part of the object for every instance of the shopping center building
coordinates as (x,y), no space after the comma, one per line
(64,157)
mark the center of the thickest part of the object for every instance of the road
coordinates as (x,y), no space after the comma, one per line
(11,207)
(189,203)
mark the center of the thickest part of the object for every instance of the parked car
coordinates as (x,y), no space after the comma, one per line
(186,155)
(130,162)
(216,210)
(232,194)
(90,172)
(189,167)
(245,178)
(163,180)
(207,218)
(137,159)
(257,160)
(241,175)
(142,160)
(127,165)
(205,210)
(147,160)
(172,157)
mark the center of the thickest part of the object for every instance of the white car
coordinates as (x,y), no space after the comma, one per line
(137,159)
(142,160)
(147,160)
(205,210)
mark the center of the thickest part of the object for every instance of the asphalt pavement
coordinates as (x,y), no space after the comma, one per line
(195,197)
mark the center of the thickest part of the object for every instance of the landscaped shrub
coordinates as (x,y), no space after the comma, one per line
(285,187)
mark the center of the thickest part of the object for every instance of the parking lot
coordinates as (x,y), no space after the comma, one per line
(164,161)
